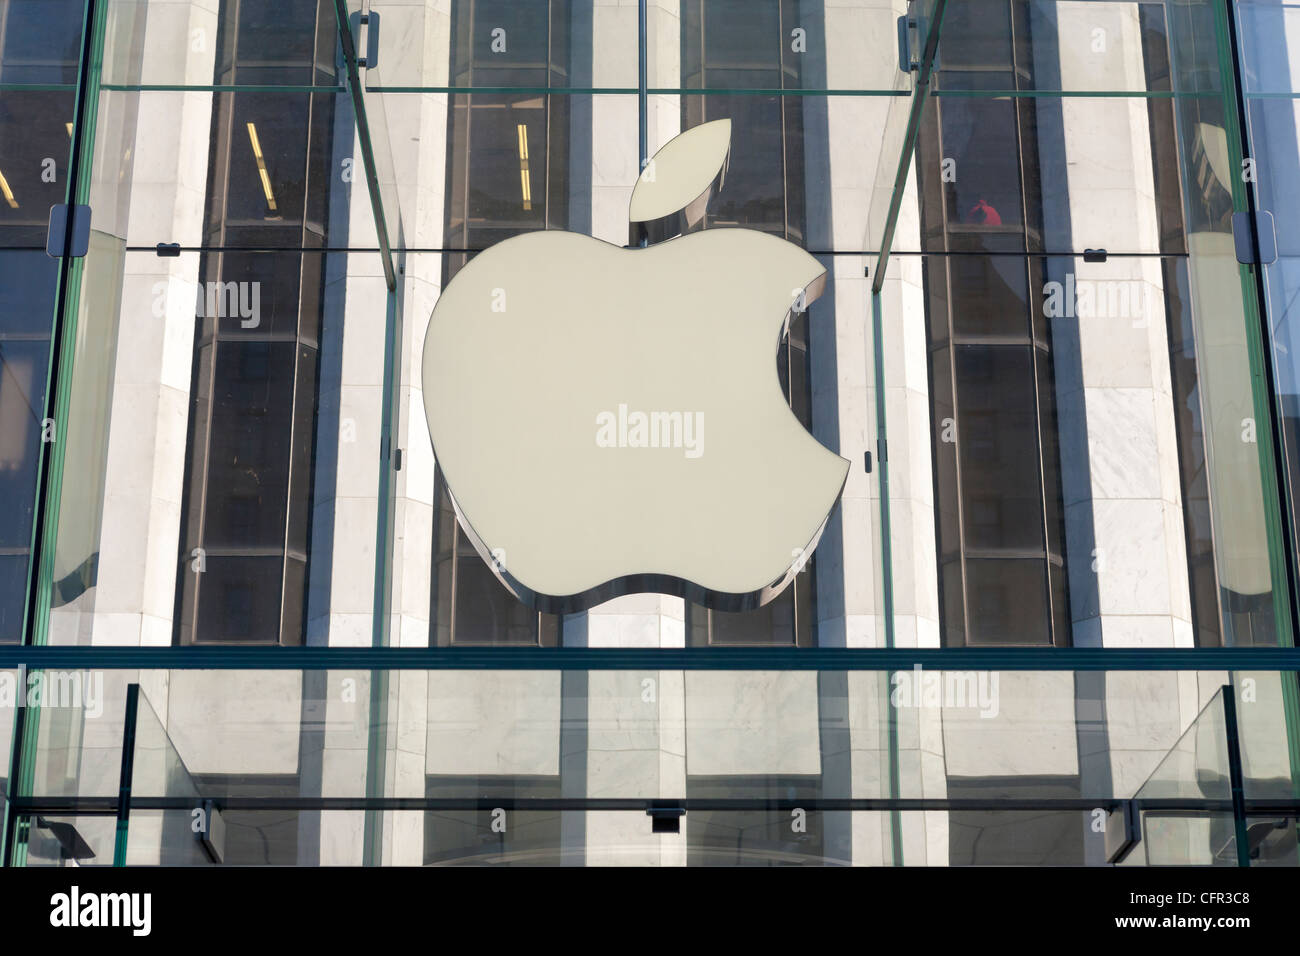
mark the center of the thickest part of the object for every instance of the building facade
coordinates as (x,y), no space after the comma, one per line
(1053,343)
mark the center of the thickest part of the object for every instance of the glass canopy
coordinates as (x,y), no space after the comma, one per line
(1050,618)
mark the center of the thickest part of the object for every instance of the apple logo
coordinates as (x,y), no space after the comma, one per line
(609,420)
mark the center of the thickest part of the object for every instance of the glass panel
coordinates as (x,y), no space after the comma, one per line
(218,732)
(1012,493)
(770,767)
(289,43)
(1270,100)
(268,175)
(1264,28)
(39,47)
(1062,420)
(168,837)
(485,166)
(1060,46)
(1270,754)
(67,840)
(253,406)
(1196,767)
(804,45)
(76,719)
(1046,174)
(28,279)
(897,134)
(35,139)
(12,693)
(40,42)
(499,44)
(1090,170)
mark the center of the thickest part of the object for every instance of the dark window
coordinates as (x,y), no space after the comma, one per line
(27,286)
(743,45)
(40,41)
(507,173)
(469,605)
(735,45)
(39,44)
(507,162)
(247,497)
(997,494)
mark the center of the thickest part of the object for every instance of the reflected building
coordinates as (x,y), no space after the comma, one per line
(1061,419)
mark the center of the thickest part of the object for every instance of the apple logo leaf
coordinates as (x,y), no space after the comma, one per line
(610,420)
(675,187)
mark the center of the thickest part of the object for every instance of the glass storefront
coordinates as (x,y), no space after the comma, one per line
(1052,343)
(745,767)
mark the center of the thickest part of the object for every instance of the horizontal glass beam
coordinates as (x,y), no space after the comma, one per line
(221,88)
(225,657)
(1084,94)
(92,806)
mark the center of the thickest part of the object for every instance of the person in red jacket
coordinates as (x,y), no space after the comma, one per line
(983,213)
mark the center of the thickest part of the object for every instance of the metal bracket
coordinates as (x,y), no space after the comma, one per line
(911,33)
(1248,253)
(211,833)
(371,21)
(64,238)
(1123,831)
(905,62)
(666,819)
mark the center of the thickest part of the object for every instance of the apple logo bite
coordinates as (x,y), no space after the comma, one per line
(609,420)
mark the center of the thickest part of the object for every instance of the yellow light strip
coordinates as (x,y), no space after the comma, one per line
(261,167)
(8,193)
(525,181)
(68,127)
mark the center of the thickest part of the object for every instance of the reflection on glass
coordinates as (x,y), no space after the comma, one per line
(39,44)
(992,372)
(285,43)
(40,41)
(27,282)
(1196,767)
(257,361)
(776,768)
(67,840)
(468,604)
